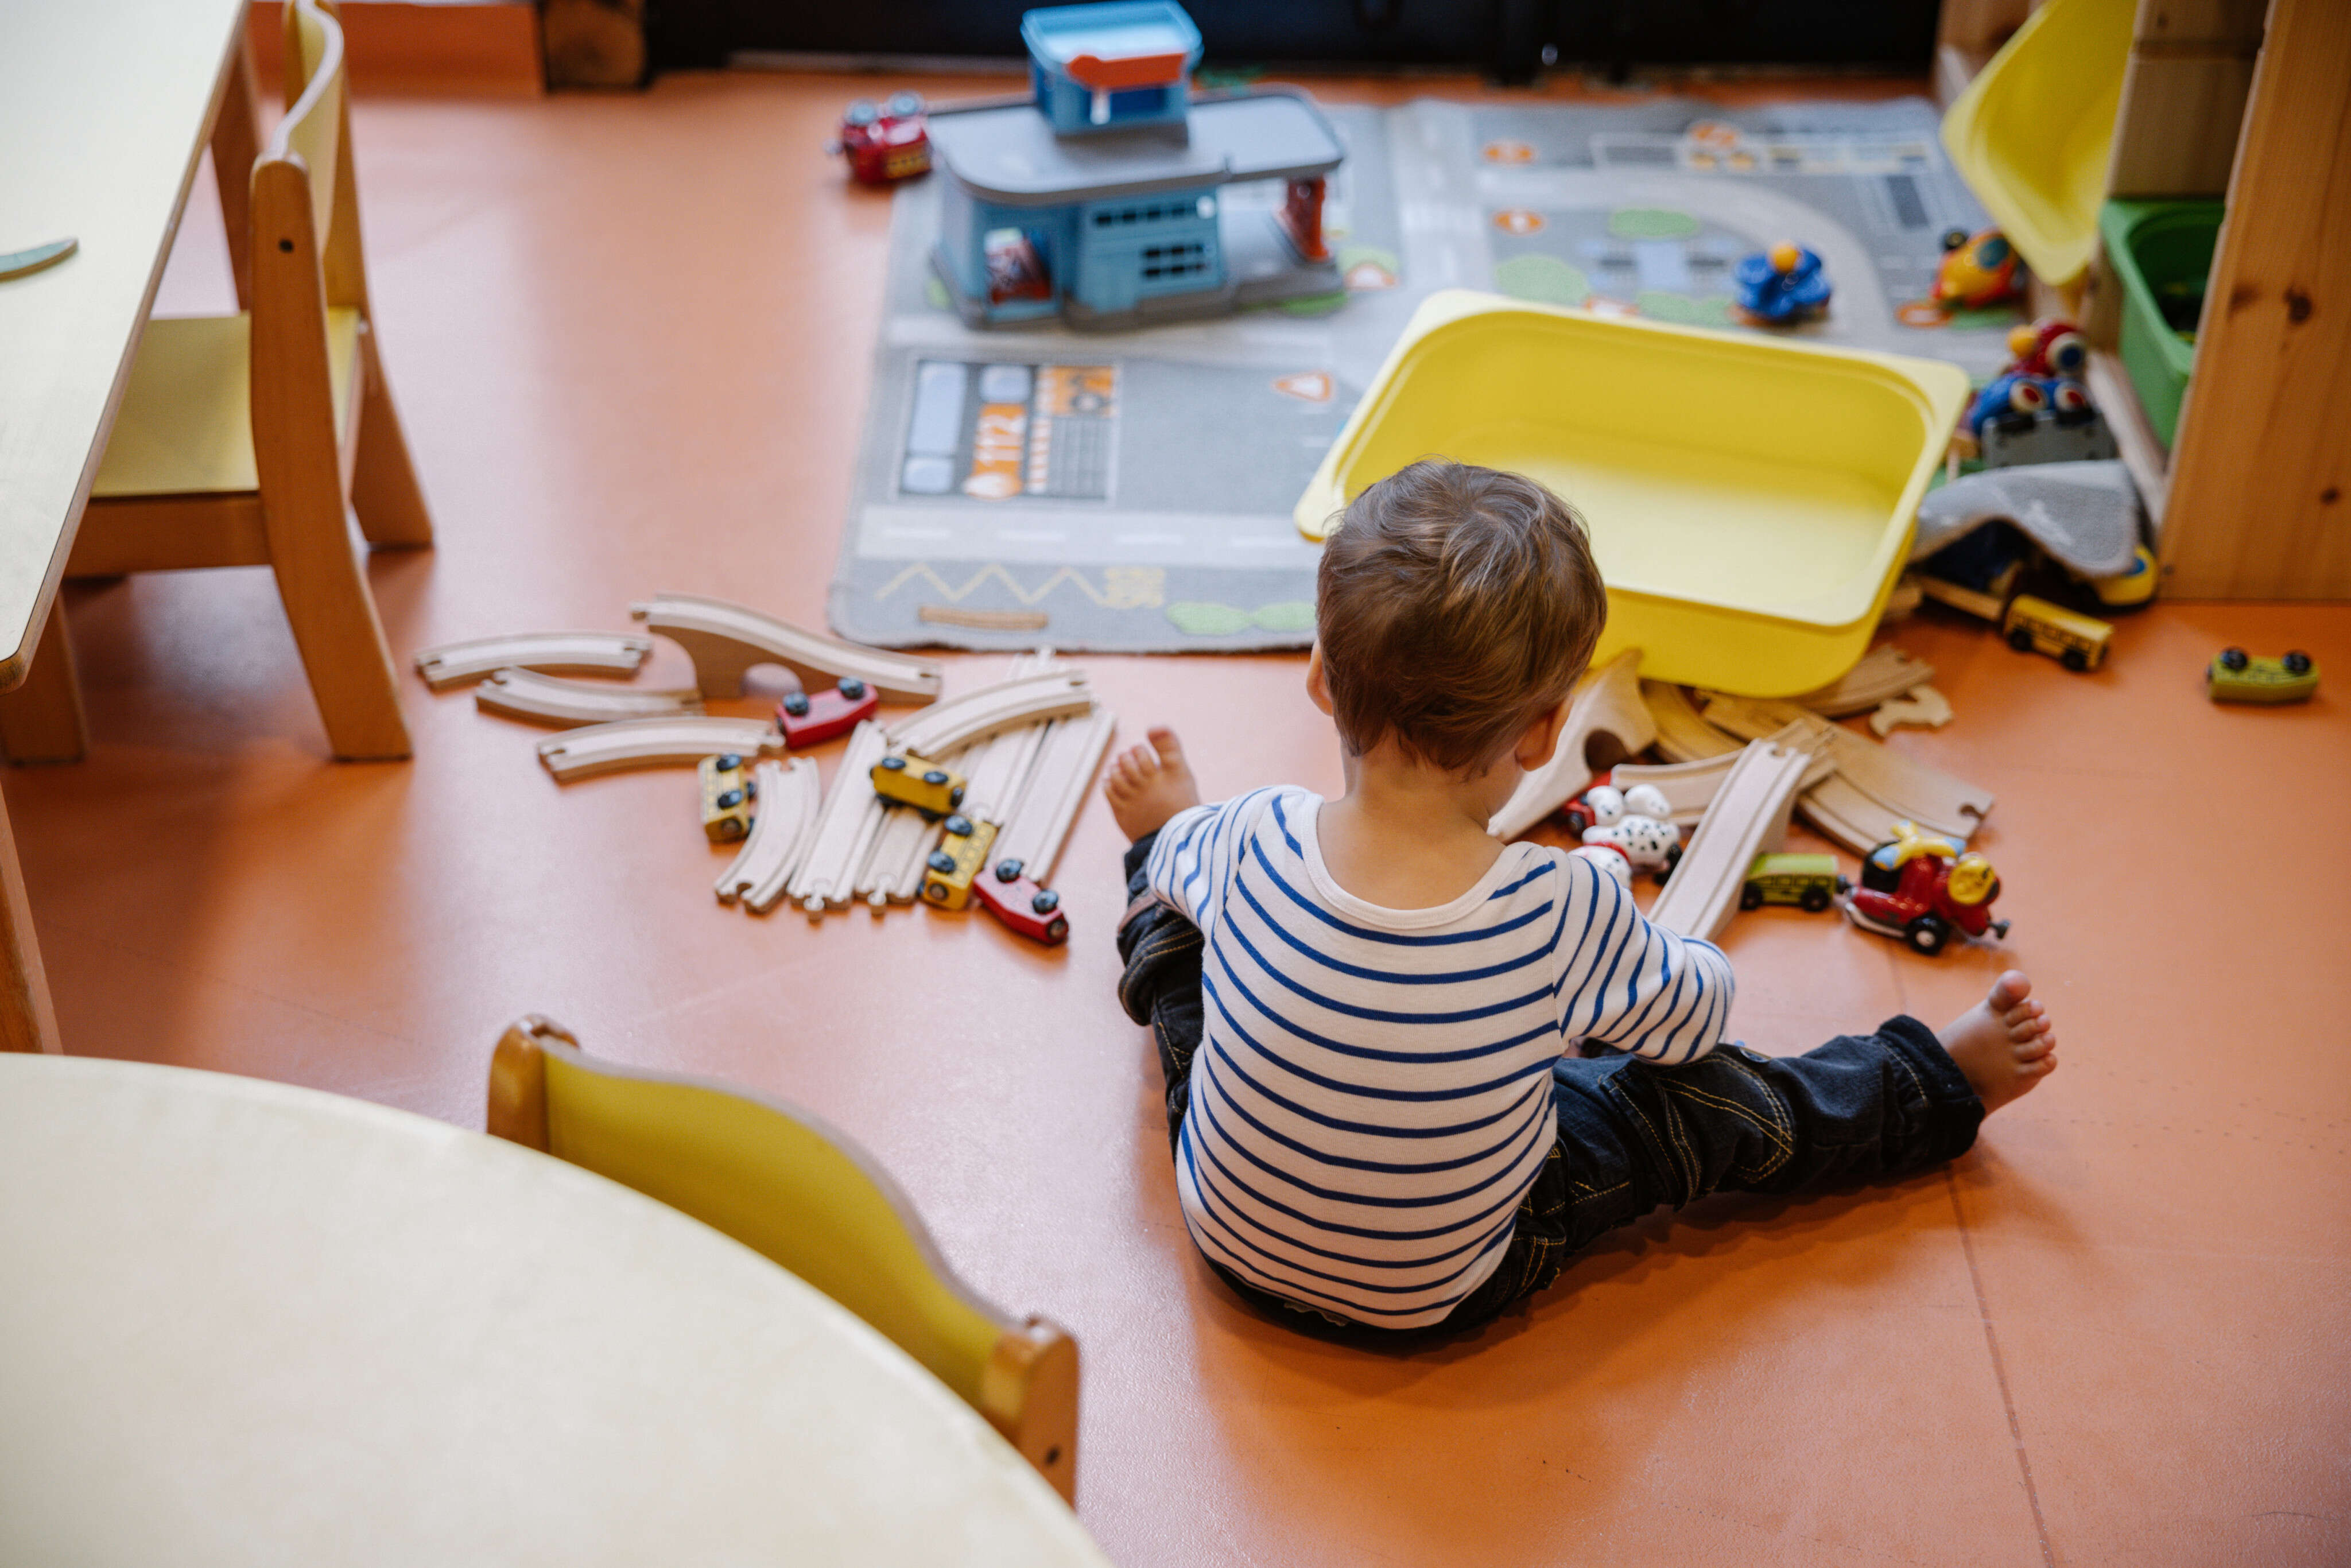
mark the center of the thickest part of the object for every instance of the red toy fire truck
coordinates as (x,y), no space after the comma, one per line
(1919,889)
(886,144)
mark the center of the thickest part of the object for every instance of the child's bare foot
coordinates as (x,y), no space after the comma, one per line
(2003,1043)
(1149,784)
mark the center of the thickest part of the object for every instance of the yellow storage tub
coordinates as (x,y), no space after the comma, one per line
(1751,499)
(2033,134)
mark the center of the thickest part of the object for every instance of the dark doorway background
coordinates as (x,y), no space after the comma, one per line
(1505,39)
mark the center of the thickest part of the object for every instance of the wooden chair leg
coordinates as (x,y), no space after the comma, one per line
(324,585)
(41,721)
(384,491)
(28,1021)
(237,141)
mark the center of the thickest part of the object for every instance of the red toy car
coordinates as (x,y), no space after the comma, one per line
(1921,889)
(887,144)
(1034,912)
(808,718)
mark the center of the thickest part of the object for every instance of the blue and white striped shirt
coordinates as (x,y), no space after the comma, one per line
(1373,1094)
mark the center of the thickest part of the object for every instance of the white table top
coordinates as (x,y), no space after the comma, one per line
(104,109)
(247,1323)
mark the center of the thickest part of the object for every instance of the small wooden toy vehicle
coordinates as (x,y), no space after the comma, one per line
(948,871)
(1977,270)
(809,717)
(885,144)
(1034,912)
(1920,889)
(2236,677)
(1782,285)
(1808,882)
(728,791)
(910,782)
(2036,626)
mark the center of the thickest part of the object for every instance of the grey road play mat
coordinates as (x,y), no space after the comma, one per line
(1132,492)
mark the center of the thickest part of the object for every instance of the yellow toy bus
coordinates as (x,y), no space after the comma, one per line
(727,792)
(963,850)
(910,781)
(2036,626)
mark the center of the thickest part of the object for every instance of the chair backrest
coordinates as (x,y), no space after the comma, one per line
(317,129)
(789,1187)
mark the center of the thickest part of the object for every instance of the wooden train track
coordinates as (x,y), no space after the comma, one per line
(535,698)
(781,832)
(1683,734)
(974,717)
(1068,757)
(1690,788)
(1874,786)
(569,653)
(1607,710)
(1749,816)
(653,743)
(1884,673)
(845,828)
(724,640)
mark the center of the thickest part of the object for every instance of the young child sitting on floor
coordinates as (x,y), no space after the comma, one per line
(1368,1009)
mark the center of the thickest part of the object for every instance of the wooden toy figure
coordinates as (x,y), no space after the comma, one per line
(1782,285)
(1919,890)
(1978,270)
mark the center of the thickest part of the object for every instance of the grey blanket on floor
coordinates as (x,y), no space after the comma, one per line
(2085,515)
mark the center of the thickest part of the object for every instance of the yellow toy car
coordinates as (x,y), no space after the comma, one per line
(1808,881)
(908,780)
(2236,677)
(728,791)
(962,850)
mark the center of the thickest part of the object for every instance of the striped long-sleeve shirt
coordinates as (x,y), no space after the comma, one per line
(1371,1097)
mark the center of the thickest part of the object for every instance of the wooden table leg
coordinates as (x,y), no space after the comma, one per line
(28,1021)
(237,142)
(41,721)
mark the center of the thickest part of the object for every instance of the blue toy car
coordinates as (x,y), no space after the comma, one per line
(1782,285)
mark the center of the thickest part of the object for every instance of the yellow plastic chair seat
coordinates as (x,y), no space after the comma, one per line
(2031,135)
(185,426)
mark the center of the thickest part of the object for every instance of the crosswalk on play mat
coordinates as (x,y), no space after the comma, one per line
(1132,492)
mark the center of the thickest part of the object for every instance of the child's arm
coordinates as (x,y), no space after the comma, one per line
(1191,860)
(1633,985)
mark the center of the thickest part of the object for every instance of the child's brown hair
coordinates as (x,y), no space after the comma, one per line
(1454,604)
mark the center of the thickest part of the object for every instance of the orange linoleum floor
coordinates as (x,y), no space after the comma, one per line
(630,337)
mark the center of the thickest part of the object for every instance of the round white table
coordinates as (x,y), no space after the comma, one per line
(242,1322)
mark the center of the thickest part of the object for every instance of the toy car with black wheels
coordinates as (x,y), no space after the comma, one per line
(1811,883)
(1919,890)
(908,780)
(2236,677)
(808,718)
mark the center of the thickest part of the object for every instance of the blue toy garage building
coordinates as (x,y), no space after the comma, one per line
(1104,199)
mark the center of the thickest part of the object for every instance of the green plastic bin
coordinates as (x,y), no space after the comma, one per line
(2162,252)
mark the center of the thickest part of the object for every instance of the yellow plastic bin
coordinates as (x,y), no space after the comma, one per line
(1751,500)
(2033,133)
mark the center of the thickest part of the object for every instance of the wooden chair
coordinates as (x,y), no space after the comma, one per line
(242,439)
(791,1189)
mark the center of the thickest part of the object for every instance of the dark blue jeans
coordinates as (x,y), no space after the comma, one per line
(1632,1134)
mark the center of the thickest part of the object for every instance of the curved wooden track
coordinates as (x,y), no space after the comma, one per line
(844,831)
(576,653)
(1874,786)
(782,831)
(1884,673)
(1607,707)
(725,640)
(1690,787)
(1682,734)
(535,698)
(977,715)
(653,743)
(1749,817)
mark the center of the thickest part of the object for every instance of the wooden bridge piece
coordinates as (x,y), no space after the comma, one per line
(725,640)
(548,699)
(1067,761)
(851,815)
(1884,673)
(1690,787)
(977,714)
(1749,817)
(653,743)
(1682,734)
(1607,708)
(789,796)
(572,652)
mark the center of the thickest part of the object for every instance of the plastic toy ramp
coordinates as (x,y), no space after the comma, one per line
(1873,787)
(2033,133)
(549,699)
(1749,817)
(1683,736)
(1690,788)
(576,653)
(790,798)
(725,640)
(653,743)
(1883,673)
(845,828)
(1607,710)
(976,716)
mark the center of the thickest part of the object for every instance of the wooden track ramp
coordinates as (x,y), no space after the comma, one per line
(569,653)
(725,640)
(977,714)
(1067,762)
(1682,734)
(1748,818)
(1690,787)
(791,796)
(535,698)
(1607,709)
(1884,673)
(653,743)
(845,828)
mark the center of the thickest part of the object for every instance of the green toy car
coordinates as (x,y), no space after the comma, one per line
(1808,882)
(2236,677)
